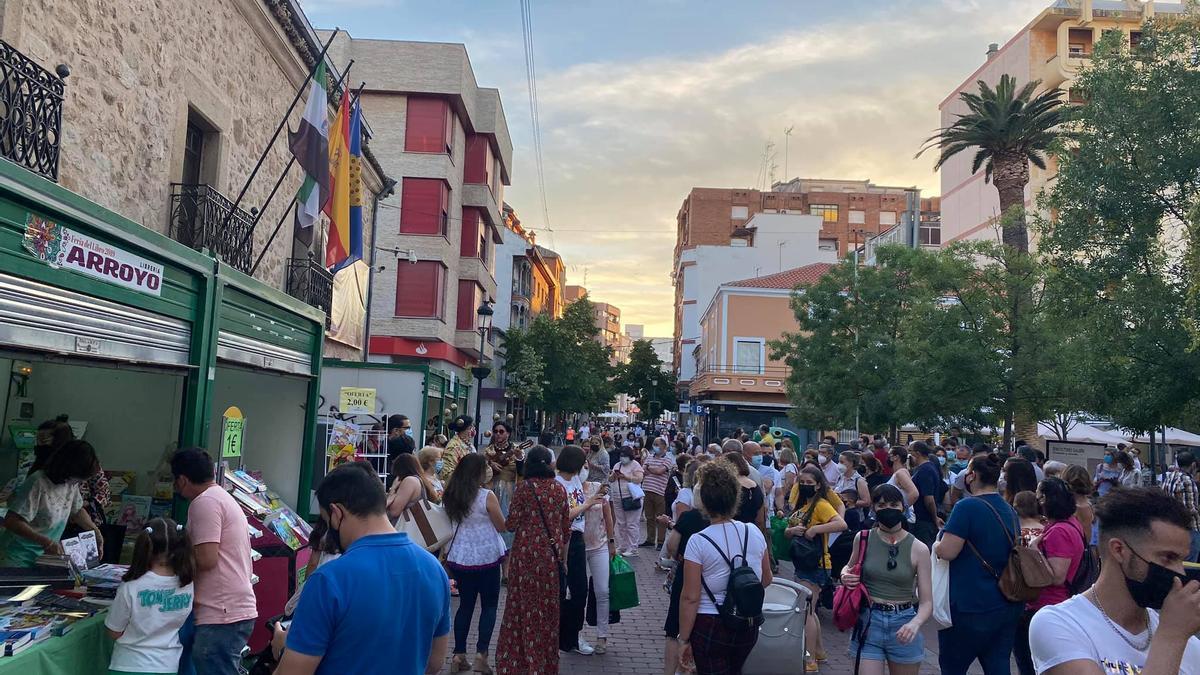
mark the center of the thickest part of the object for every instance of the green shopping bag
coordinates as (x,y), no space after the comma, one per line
(780,546)
(622,585)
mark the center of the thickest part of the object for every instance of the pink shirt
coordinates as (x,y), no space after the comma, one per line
(223,594)
(657,483)
(1062,539)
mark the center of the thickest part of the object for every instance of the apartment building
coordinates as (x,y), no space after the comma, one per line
(736,380)
(1053,47)
(444,139)
(766,243)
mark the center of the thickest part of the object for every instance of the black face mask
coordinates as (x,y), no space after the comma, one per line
(807,492)
(333,537)
(1152,591)
(889,518)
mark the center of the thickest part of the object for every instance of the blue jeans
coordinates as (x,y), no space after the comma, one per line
(881,643)
(217,648)
(984,636)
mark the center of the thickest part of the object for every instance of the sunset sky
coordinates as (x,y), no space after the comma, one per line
(642,100)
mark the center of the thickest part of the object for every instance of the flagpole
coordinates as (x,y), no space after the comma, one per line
(282,217)
(261,158)
(279,181)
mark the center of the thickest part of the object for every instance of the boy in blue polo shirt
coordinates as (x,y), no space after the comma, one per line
(383,606)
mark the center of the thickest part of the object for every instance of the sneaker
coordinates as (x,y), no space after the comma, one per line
(584,648)
(631,553)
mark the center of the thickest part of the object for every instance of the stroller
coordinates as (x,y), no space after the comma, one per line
(781,636)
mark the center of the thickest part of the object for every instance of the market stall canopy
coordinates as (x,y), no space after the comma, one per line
(612,415)
(1174,437)
(1081,433)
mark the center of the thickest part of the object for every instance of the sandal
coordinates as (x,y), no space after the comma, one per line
(459,664)
(601,646)
(481,664)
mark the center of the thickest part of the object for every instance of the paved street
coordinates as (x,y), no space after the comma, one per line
(635,646)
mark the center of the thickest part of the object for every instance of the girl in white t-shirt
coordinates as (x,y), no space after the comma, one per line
(153,602)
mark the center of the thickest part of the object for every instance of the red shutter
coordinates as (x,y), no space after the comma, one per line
(422,204)
(426,124)
(466,305)
(470,232)
(419,288)
(475,168)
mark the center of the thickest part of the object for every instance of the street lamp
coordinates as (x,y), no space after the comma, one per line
(653,398)
(480,371)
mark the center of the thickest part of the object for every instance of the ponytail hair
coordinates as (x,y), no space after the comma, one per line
(163,536)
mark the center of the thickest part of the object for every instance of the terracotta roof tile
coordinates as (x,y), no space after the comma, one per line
(788,279)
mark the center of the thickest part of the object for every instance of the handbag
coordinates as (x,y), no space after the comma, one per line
(562,566)
(941,590)
(806,554)
(426,523)
(622,585)
(629,502)
(848,603)
(1027,571)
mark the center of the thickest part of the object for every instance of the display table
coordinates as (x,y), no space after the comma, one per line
(85,650)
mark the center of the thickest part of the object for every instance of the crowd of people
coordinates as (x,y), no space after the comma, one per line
(1059,569)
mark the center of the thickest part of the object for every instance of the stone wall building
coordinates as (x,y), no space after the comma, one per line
(163,94)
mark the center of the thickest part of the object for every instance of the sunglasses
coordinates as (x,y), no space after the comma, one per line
(893,552)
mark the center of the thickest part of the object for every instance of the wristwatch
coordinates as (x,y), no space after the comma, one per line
(683,640)
(612,540)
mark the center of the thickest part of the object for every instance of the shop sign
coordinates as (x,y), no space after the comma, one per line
(685,408)
(58,246)
(357,401)
(232,427)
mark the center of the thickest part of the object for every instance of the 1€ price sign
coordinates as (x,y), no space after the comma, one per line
(234,425)
(357,401)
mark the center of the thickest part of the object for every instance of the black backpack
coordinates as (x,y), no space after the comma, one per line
(744,592)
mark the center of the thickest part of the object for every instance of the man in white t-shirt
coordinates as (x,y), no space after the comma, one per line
(1113,628)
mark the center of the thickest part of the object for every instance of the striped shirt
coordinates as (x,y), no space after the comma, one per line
(653,482)
(1181,486)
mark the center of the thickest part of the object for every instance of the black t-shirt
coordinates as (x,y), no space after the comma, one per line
(928,482)
(752,501)
(402,444)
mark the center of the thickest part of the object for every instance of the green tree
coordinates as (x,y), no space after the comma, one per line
(1008,129)
(576,366)
(1127,193)
(524,368)
(643,377)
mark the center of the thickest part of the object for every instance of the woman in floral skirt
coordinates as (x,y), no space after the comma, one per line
(540,520)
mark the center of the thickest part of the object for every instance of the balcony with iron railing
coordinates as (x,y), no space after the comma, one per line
(200,219)
(739,379)
(309,282)
(31,102)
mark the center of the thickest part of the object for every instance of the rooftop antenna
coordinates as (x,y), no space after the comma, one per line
(787,137)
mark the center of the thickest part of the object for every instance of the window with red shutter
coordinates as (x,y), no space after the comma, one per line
(428,125)
(469,296)
(480,160)
(424,206)
(420,289)
(470,232)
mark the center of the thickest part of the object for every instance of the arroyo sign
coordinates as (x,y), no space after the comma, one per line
(58,246)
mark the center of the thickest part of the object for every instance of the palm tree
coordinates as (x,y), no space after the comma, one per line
(1009,130)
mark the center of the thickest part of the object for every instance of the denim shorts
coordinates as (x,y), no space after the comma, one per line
(817,577)
(881,641)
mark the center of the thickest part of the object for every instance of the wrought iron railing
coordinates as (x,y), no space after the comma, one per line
(311,283)
(31,101)
(198,220)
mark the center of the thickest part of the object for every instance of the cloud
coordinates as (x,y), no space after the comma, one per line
(624,141)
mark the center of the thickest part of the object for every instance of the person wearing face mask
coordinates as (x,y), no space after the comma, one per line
(352,616)
(849,479)
(569,464)
(1061,540)
(430,459)
(657,470)
(813,518)
(829,465)
(626,481)
(1142,613)
(896,570)
(977,540)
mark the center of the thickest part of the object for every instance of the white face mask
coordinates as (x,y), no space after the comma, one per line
(823,459)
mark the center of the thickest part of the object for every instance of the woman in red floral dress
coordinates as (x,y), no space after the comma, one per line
(528,643)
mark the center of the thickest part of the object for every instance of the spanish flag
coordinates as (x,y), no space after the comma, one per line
(337,249)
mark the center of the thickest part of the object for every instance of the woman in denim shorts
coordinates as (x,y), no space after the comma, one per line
(813,518)
(896,571)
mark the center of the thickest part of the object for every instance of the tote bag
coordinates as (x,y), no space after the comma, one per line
(941,591)
(427,524)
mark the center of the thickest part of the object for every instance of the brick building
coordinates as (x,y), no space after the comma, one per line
(851,211)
